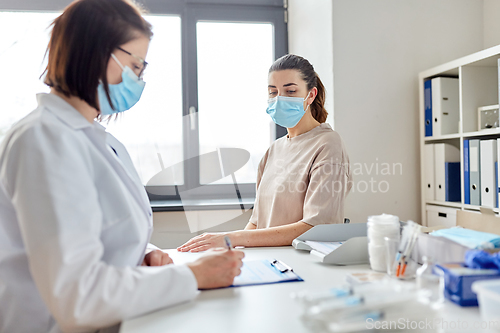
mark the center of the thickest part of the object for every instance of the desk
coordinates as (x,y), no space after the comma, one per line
(265,308)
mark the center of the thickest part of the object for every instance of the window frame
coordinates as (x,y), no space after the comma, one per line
(191,12)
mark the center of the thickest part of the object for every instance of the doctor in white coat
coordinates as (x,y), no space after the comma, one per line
(75,220)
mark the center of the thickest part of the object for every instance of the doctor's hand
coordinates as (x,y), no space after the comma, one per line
(217,269)
(156,258)
(204,242)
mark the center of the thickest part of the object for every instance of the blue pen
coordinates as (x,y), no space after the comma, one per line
(228,243)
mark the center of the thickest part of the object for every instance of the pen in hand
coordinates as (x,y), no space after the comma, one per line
(228,243)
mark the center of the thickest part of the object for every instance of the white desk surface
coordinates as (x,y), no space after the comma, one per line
(264,308)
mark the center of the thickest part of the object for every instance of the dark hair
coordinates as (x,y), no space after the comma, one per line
(292,61)
(82,40)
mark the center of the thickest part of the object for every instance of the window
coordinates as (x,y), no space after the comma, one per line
(152,130)
(232,83)
(23,42)
(205,97)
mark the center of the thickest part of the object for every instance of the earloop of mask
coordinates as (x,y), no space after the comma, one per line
(118,62)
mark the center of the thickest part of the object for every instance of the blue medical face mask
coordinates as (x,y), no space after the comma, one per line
(124,95)
(286,111)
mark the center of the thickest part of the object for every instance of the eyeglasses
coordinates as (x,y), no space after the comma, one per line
(142,61)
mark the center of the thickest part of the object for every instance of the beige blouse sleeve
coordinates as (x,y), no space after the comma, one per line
(260,171)
(328,187)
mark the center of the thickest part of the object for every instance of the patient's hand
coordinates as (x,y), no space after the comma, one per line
(157,258)
(204,242)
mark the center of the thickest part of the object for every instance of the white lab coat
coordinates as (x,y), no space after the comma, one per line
(75,222)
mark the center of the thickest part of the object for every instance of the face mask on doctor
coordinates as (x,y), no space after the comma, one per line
(286,111)
(124,95)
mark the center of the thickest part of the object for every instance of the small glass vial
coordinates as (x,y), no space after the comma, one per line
(430,285)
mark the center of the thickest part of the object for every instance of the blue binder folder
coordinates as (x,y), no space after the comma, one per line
(428,108)
(452,181)
(466,173)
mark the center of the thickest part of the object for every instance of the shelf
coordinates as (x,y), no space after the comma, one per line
(457,205)
(486,57)
(446,204)
(443,137)
(477,208)
(471,207)
(486,132)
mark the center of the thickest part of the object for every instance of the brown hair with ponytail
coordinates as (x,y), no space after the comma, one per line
(292,61)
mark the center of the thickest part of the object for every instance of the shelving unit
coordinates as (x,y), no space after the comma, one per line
(483,133)
(478,86)
(446,204)
(442,137)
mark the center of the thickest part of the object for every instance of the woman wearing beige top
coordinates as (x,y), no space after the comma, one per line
(304,177)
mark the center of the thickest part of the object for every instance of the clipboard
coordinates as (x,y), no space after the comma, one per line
(353,249)
(266,271)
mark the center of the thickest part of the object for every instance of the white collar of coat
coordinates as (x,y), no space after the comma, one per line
(64,111)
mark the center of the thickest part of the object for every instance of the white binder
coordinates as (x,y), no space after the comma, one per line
(497,188)
(445,105)
(429,172)
(353,251)
(474,172)
(488,157)
(443,152)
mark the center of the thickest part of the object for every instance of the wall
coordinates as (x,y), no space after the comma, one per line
(379,49)
(491,23)
(171,229)
(310,36)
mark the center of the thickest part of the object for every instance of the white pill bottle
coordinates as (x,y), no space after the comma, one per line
(379,227)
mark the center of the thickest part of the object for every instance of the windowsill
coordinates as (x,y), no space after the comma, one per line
(201,204)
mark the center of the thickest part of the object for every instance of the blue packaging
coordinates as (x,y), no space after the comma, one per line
(458,280)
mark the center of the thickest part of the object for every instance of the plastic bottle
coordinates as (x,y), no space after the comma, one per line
(379,227)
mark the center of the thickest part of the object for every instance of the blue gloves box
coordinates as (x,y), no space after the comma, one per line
(458,280)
